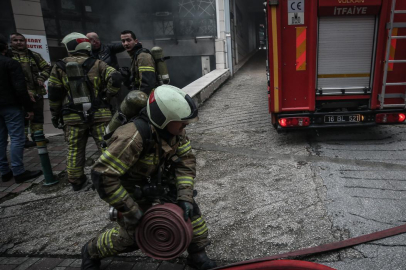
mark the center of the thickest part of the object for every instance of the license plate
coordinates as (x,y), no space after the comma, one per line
(342,118)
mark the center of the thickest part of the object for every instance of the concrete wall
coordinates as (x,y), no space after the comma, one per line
(28,17)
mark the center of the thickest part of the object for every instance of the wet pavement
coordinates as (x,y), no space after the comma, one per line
(261,193)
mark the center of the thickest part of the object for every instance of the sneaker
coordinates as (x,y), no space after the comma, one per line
(27,175)
(7,177)
(29,144)
(200,261)
(77,187)
(87,262)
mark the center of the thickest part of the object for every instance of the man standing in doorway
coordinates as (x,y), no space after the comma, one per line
(105,52)
(143,68)
(36,71)
(108,54)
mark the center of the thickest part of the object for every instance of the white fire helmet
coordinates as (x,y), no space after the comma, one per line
(168,103)
(75,42)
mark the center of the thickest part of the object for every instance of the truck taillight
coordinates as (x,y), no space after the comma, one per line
(294,122)
(382,118)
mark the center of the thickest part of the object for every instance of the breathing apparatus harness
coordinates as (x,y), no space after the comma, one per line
(125,72)
(158,185)
(78,105)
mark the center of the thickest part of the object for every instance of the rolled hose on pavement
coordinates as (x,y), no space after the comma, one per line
(163,233)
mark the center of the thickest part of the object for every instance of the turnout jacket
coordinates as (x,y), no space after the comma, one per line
(142,70)
(123,165)
(107,53)
(34,67)
(105,80)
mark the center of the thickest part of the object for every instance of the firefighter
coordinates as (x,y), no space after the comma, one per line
(142,74)
(79,91)
(36,72)
(132,161)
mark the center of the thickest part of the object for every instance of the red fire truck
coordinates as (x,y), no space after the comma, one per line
(336,63)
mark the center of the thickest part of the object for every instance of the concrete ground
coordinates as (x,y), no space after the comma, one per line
(261,193)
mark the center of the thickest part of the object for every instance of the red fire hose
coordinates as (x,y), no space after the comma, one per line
(281,265)
(267,262)
(163,233)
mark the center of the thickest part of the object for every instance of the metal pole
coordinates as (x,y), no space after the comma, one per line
(228,36)
(218,19)
(44,157)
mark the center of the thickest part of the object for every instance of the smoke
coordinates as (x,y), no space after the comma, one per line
(170,24)
(174,26)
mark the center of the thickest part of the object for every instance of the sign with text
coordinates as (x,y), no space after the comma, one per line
(39,45)
(349,7)
(296,10)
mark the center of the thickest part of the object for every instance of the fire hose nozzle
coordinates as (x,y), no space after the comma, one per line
(114,214)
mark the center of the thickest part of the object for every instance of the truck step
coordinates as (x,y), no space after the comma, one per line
(394,106)
(396,61)
(395,84)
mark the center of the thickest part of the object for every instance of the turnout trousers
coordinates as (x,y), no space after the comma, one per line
(37,123)
(121,238)
(76,136)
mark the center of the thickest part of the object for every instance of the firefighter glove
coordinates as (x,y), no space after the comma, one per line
(187,208)
(125,76)
(132,219)
(55,121)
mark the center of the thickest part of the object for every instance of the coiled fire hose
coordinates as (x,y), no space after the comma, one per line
(163,234)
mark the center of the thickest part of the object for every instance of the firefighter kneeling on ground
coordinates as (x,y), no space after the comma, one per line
(150,151)
(79,91)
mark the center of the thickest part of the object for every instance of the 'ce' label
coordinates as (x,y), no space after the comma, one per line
(296,6)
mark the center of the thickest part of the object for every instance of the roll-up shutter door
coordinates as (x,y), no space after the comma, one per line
(345,54)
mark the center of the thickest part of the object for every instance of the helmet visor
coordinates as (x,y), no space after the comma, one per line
(193,117)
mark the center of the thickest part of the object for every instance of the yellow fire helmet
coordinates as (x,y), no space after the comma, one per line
(168,103)
(76,42)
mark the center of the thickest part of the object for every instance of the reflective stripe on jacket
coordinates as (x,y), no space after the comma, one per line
(100,75)
(32,71)
(121,163)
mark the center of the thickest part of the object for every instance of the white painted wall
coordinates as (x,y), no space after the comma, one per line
(28,17)
(220,46)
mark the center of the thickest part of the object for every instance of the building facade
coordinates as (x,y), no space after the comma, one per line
(198,35)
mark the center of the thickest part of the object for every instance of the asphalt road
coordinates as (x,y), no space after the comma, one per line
(262,193)
(266,193)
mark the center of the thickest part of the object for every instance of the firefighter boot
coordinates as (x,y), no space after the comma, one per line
(29,143)
(77,187)
(87,262)
(200,261)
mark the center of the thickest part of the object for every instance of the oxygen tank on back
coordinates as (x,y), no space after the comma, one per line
(129,107)
(162,69)
(80,93)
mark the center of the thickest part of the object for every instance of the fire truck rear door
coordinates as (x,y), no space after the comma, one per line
(345,55)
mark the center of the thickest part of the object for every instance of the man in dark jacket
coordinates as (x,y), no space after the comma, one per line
(105,52)
(13,97)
